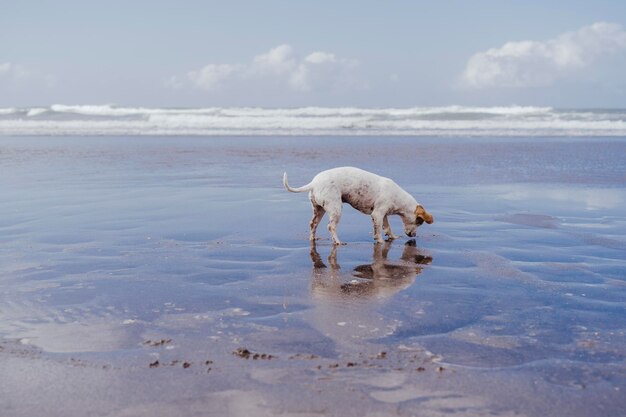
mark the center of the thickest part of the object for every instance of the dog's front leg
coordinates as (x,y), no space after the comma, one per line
(377,219)
(387,229)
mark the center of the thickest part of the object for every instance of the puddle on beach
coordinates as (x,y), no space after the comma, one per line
(183,262)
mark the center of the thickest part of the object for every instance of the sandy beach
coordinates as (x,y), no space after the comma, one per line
(173,276)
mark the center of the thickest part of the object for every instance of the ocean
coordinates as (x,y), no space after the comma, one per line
(341,121)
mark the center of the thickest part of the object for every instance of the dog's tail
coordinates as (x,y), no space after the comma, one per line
(295,190)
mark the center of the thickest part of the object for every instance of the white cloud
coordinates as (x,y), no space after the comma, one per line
(210,76)
(320,58)
(317,71)
(541,63)
(277,61)
(324,69)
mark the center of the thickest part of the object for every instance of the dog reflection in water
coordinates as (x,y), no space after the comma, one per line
(380,279)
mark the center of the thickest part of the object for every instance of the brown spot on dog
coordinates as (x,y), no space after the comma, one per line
(423,214)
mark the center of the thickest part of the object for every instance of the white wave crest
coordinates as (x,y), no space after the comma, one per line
(36,111)
(8,110)
(414,121)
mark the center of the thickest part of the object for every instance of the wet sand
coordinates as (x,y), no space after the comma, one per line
(173,276)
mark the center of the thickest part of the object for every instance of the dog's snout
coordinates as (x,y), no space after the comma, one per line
(411,234)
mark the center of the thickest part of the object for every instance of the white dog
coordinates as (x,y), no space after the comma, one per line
(369,193)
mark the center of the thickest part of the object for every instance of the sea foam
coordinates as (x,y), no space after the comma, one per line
(62,119)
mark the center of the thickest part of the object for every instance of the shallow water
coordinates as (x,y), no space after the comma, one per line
(121,253)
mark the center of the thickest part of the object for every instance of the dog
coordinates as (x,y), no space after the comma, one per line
(367,192)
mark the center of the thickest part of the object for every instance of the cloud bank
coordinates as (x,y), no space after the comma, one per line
(317,71)
(541,63)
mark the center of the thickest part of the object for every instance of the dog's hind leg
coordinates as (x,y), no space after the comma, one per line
(334,214)
(387,229)
(318,213)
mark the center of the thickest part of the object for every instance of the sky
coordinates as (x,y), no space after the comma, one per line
(566,54)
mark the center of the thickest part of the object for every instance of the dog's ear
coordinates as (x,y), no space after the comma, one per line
(423,214)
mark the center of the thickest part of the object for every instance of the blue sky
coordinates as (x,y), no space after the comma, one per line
(322,53)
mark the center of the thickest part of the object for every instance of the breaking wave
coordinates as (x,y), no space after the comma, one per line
(61,119)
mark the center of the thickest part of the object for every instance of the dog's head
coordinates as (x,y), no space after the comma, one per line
(419,217)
